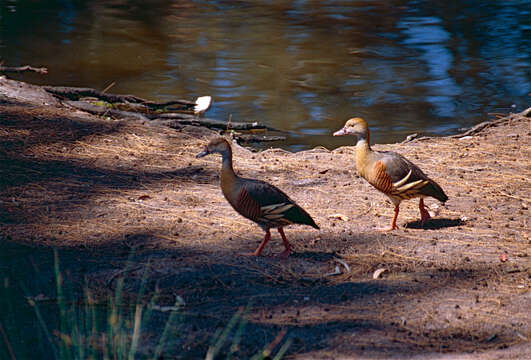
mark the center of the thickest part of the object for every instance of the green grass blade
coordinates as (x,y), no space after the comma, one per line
(165,332)
(283,349)
(136,332)
(213,350)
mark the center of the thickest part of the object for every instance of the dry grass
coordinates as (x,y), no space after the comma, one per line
(101,188)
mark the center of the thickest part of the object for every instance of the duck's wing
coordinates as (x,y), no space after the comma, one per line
(399,177)
(268,205)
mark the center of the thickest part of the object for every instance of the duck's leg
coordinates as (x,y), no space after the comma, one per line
(287,245)
(393,222)
(258,251)
(424,214)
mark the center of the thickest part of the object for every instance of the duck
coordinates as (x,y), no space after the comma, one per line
(391,173)
(257,200)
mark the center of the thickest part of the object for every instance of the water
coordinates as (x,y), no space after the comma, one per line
(430,67)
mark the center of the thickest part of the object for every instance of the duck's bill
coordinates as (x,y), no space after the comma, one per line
(340,132)
(202,153)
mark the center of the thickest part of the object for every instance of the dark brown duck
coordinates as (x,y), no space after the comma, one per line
(257,200)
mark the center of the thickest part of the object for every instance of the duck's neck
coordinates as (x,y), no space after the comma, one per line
(227,172)
(363,150)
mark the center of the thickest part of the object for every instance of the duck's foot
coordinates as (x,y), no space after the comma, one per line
(389,228)
(424,214)
(284,254)
(258,251)
(393,222)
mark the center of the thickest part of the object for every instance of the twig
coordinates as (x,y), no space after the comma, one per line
(229,122)
(41,70)
(108,87)
(410,138)
(515,197)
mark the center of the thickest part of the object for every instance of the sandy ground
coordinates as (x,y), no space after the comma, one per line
(99,190)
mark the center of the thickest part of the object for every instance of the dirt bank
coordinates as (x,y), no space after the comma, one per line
(96,189)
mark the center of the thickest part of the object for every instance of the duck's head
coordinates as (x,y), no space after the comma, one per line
(217,145)
(355,126)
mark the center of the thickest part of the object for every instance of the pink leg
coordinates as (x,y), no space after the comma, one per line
(424,214)
(393,222)
(258,251)
(287,245)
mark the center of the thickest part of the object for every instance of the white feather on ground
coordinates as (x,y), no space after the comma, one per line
(202,104)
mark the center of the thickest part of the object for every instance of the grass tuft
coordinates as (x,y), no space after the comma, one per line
(110,328)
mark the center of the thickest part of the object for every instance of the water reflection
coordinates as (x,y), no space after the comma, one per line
(426,35)
(301,66)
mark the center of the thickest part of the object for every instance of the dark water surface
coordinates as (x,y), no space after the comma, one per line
(431,67)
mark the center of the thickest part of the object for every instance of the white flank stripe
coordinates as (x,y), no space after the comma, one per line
(281,209)
(273,216)
(410,185)
(268,208)
(403,181)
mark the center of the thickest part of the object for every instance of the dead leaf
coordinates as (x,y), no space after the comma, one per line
(345,265)
(503,257)
(339,216)
(337,271)
(378,273)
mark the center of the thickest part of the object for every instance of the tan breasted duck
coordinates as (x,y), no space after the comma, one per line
(257,200)
(391,173)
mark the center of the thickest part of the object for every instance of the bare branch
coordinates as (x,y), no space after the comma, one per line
(18,69)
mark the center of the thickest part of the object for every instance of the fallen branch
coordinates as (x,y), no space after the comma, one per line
(41,70)
(166,105)
(210,123)
(122,102)
(168,116)
(76,93)
(477,128)
(473,130)
(104,111)
(486,124)
(181,112)
(258,138)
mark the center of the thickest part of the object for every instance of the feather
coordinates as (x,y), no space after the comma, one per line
(277,208)
(403,181)
(269,206)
